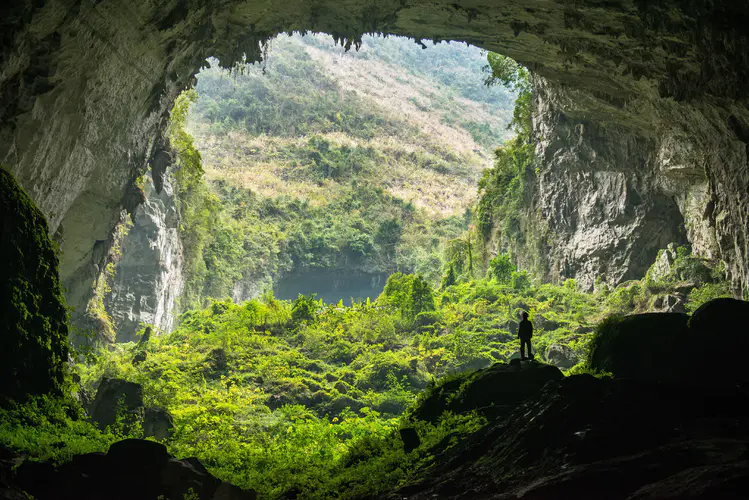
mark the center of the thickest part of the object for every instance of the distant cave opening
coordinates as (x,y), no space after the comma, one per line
(326,170)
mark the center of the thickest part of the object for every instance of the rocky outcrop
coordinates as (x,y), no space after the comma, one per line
(119,402)
(86,89)
(491,391)
(132,468)
(158,423)
(148,277)
(562,356)
(34,328)
(674,348)
(582,437)
(117,399)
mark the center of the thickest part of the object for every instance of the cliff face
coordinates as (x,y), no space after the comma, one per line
(606,198)
(85,91)
(148,277)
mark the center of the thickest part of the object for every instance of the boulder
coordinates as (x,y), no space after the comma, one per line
(720,331)
(114,396)
(561,356)
(410,439)
(491,391)
(178,477)
(641,346)
(669,304)
(157,423)
(673,348)
(132,468)
(725,318)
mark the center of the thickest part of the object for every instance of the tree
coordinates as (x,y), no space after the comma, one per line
(449,278)
(304,308)
(501,269)
(410,293)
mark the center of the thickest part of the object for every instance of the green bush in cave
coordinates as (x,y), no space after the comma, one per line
(34,340)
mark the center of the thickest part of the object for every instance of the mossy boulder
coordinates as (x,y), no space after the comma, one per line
(34,343)
(117,398)
(641,346)
(492,391)
(676,349)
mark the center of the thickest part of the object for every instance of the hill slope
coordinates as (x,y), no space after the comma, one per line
(358,162)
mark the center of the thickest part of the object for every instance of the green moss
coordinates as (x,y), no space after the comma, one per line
(34,345)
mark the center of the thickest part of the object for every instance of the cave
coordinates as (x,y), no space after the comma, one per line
(654,92)
(641,119)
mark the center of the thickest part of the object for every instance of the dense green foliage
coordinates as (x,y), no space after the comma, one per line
(34,339)
(309,397)
(51,428)
(501,211)
(278,395)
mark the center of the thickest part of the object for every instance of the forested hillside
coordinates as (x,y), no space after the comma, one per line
(361,162)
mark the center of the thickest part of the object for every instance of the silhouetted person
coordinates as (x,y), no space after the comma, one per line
(525,332)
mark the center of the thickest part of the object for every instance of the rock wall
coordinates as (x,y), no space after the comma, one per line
(148,277)
(596,209)
(34,332)
(605,197)
(86,87)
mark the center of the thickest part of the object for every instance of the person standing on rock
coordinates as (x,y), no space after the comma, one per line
(525,332)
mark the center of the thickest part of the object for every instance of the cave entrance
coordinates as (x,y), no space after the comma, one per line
(87,91)
(325,171)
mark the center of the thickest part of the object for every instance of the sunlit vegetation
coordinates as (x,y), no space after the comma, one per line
(309,397)
(318,159)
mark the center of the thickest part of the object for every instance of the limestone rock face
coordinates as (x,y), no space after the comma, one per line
(599,197)
(148,277)
(86,87)
(116,396)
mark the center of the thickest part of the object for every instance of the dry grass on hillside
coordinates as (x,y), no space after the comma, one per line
(257,163)
(406,97)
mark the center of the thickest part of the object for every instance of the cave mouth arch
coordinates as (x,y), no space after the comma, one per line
(87,89)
